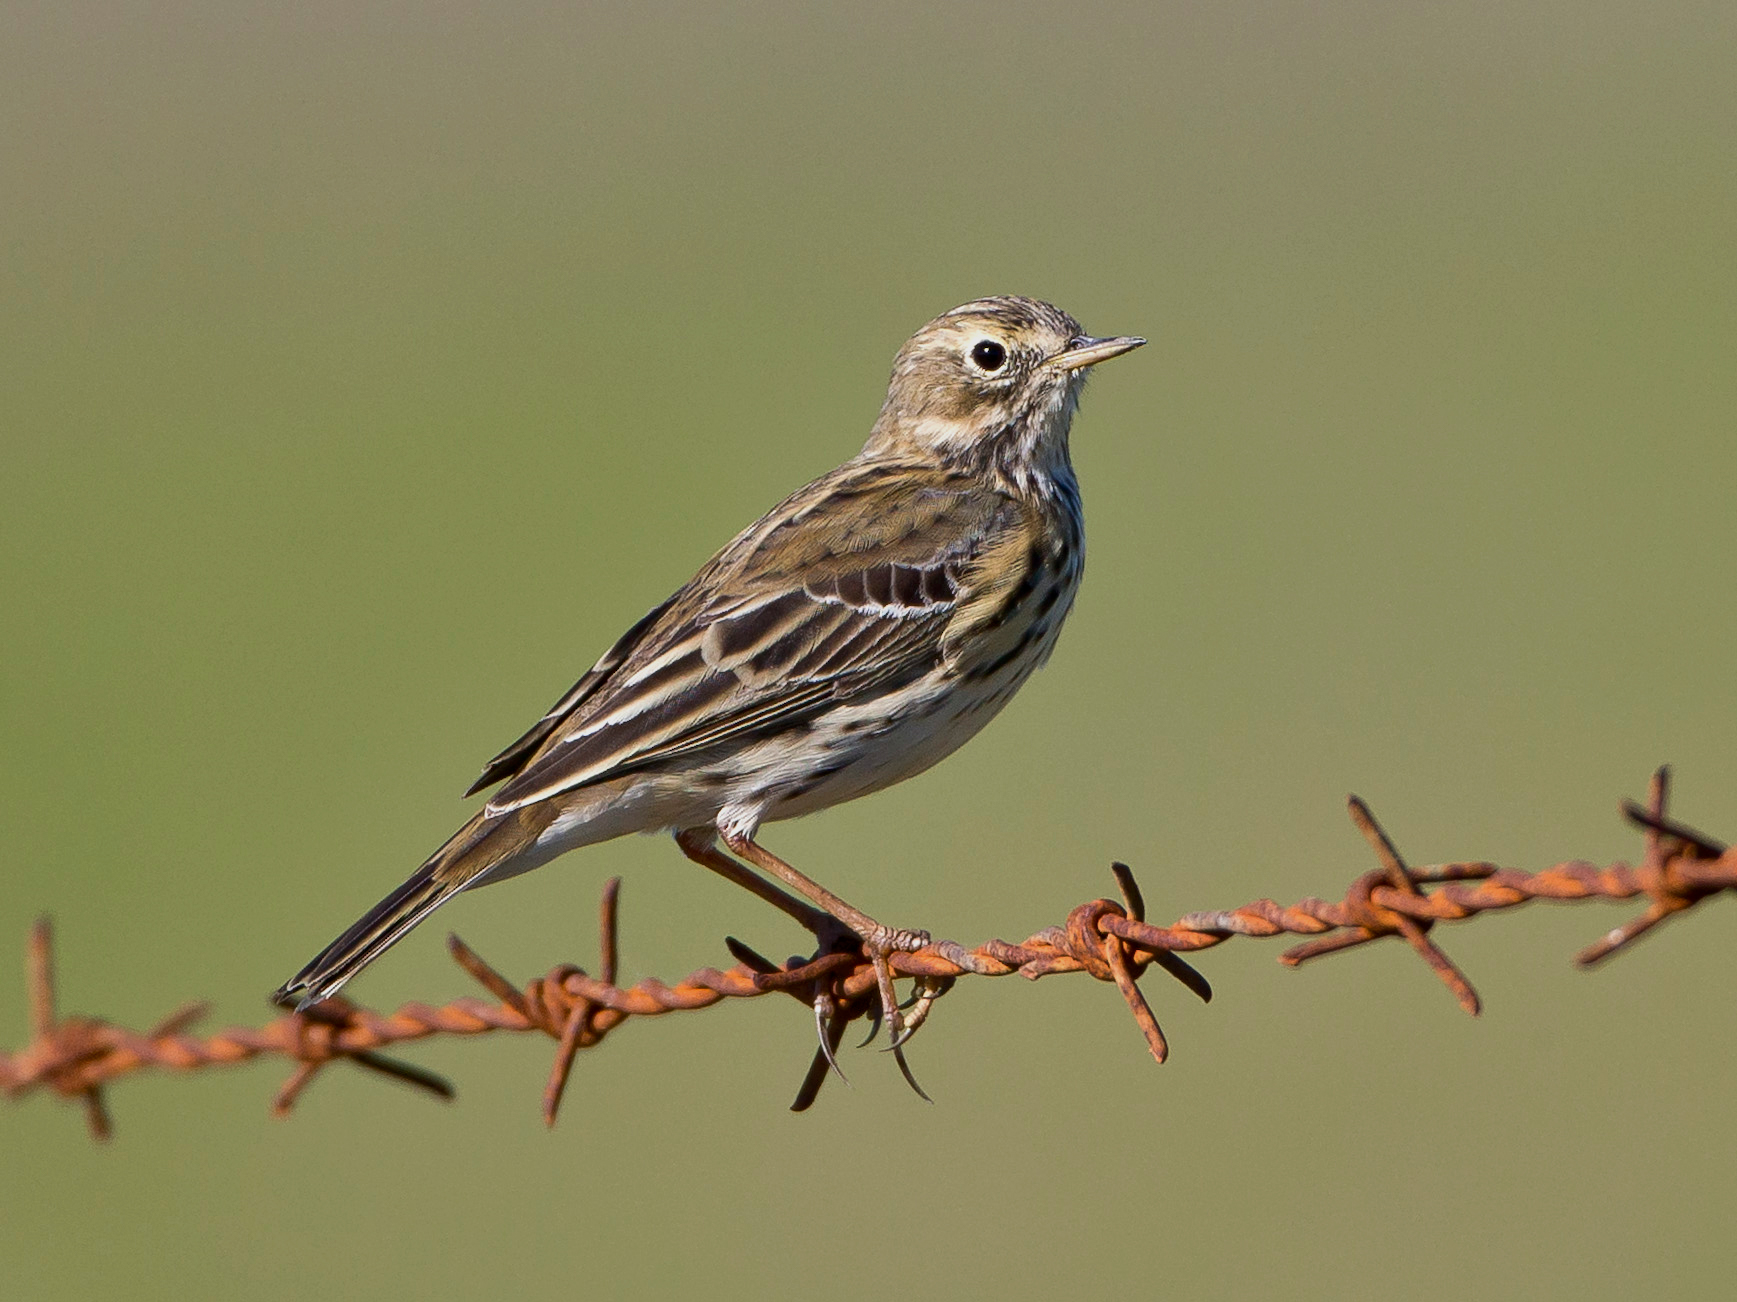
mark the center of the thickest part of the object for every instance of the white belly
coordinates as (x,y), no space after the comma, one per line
(865,747)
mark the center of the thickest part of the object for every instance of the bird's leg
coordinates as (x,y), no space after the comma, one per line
(878,942)
(700,845)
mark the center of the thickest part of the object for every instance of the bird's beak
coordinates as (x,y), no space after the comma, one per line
(1083,351)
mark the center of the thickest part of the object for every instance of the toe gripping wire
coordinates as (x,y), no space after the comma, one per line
(76,1057)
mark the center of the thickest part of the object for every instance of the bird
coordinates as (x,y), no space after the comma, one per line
(856,634)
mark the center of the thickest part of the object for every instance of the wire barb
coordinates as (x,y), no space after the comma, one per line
(76,1057)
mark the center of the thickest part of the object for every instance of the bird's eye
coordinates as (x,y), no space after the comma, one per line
(988,354)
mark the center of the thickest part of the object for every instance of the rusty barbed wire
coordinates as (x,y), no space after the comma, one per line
(76,1057)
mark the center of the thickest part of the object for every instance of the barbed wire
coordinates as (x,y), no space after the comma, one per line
(76,1057)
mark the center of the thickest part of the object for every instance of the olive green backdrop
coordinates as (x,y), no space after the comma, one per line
(366,370)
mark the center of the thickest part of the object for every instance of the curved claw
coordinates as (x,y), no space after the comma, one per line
(824,1012)
(905,1070)
(874,1017)
(928,990)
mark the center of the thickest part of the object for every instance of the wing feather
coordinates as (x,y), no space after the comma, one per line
(513,758)
(846,588)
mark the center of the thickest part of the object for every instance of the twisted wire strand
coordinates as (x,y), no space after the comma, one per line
(75,1057)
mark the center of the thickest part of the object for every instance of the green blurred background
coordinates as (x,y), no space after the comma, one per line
(367,369)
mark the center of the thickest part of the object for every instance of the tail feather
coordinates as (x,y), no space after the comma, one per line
(479,846)
(373,934)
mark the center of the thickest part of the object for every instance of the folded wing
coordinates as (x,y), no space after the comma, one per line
(846,590)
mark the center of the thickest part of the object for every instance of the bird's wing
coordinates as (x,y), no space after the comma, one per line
(513,758)
(847,587)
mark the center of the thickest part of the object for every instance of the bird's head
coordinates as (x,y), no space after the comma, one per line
(997,375)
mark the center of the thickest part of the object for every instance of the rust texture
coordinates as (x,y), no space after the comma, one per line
(76,1057)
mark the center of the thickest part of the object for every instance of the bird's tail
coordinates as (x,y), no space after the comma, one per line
(479,846)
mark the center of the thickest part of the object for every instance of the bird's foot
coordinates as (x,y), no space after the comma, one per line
(915,1010)
(880,944)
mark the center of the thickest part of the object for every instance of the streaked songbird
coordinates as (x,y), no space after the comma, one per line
(860,631)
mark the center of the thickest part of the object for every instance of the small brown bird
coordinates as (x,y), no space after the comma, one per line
(860,631)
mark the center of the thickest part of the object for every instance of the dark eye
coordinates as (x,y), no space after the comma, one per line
(988,354)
